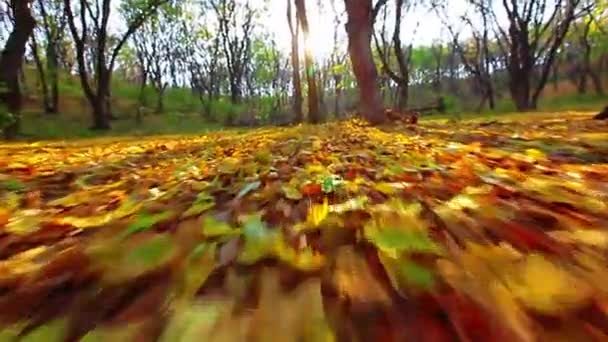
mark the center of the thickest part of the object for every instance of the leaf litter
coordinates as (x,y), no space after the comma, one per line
(462,231)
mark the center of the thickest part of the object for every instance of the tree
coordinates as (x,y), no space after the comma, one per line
(314,114)
(530,41)
(10,63)
(403,56)
(474,53)
(204,52)
(359,30)
(236,23)
(586,36)
(90,26)
(154,44)
(338,61)
(295,65)
(51,34)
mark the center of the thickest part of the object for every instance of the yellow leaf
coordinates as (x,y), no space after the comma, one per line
(229,165)
(597,238)
(315,168)
(544,286)
(385,188)
(291,192)
(129,207)
(535,154)
(317,213)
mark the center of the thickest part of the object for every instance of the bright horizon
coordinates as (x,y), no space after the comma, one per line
(424,23)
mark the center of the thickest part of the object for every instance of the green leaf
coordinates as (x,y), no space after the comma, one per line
(330,183)
(291,192)
(195,322)
(12,184)
(146,221)
(249,188)
(203,202)
(54,331)
(126,332)
(150,254)
(395,241)
(199,265)
(213,228)
(405,274)
(259,240)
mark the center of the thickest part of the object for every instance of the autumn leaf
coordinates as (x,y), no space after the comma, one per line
(394,241)
(259,240)
(544,286)
(12,184)
(317,213)
(146,221)
(406,274)
(106,333)
(54,331)
(202,203)
(291,192)
(229,166)
(353,279)
(213,228)
(127,208)
(248,188)
(198,266)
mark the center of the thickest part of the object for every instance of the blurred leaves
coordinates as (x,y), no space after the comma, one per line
(497,228)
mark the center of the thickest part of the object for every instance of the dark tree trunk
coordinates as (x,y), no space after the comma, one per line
(11,62)
(404,92)
(100,103)
(160,100)
(295,65)
(52,67)
(519,87)
(44,86)
(359,30)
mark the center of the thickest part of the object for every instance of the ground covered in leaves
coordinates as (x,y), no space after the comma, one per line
(472,231)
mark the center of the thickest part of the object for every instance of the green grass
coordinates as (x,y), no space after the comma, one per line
(41,127)
(572,102)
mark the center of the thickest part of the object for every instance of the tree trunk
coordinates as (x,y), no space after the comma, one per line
(314,114)
(359,30)
(100,103)
(404,92)
(160,100)
(11,62)
(338,94)
(295,65)
(52,67)
(597,83)
(519,87)
(44,86)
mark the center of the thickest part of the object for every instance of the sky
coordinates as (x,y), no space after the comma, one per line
(421,27)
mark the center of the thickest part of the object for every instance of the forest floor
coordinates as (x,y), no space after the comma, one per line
(492,230)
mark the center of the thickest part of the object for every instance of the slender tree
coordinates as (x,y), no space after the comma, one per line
(402,55)
(314,114)
(236,23)
(46,46)
(90,26)
(295,65)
